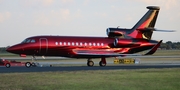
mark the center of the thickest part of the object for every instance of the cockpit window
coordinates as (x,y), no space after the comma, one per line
(33,41)
(28,41)
(24,41)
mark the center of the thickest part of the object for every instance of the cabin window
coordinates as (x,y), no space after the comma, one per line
(85,44)
(69,43)
(56,43)
(94,44)
(77,43)
(97,44)
(72,43)
(60,43)
(64,43)
(90,44)
(102,44)
(80,43)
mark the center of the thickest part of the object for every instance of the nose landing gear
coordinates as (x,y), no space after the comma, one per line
(29,64)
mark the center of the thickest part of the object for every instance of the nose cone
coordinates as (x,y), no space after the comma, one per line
(10,49)
(14,49)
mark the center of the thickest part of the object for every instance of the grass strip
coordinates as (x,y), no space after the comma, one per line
(142,79)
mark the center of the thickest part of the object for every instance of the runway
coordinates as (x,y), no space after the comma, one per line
(84,68)
(64,58)
(66,64)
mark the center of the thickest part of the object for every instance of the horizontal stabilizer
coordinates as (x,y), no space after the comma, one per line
(165,30)
(154,29)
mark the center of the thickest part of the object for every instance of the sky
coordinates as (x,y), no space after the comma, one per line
(20,19)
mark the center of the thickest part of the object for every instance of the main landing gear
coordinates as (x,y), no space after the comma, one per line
(102,63)
(90,63)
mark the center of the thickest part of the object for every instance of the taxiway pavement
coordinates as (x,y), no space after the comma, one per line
(80,65)
(84,68)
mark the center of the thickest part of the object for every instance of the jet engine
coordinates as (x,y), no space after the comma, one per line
(116,32)
(125,43)
(120,42)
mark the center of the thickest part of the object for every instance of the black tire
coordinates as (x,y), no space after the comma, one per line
(102,64)
(8,65)
(90,63)
(28,64)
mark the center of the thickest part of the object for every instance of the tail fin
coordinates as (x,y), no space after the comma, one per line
(144,27)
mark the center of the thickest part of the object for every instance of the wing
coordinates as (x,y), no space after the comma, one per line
(95,52)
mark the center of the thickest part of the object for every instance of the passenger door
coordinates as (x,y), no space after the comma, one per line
(43,46)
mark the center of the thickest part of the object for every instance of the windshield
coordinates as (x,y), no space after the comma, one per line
(24,41)
(28,41)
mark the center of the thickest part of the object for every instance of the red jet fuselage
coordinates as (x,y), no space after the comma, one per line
(70,46)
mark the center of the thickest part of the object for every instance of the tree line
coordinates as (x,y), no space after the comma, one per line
(170,45)
(165,46)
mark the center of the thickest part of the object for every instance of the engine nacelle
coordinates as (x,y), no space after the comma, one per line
(121,43)
(114,32)
(125,43)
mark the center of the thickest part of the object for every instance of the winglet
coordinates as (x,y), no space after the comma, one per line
(153,50)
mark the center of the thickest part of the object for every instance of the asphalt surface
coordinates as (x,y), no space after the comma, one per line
(84,68)
(60,58)
(71,65)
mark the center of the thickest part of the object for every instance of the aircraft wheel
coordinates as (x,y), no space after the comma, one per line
(28,64)
(8,65)
(90,63)
(102,64)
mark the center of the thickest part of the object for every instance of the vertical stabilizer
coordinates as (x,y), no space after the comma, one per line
(144,27)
